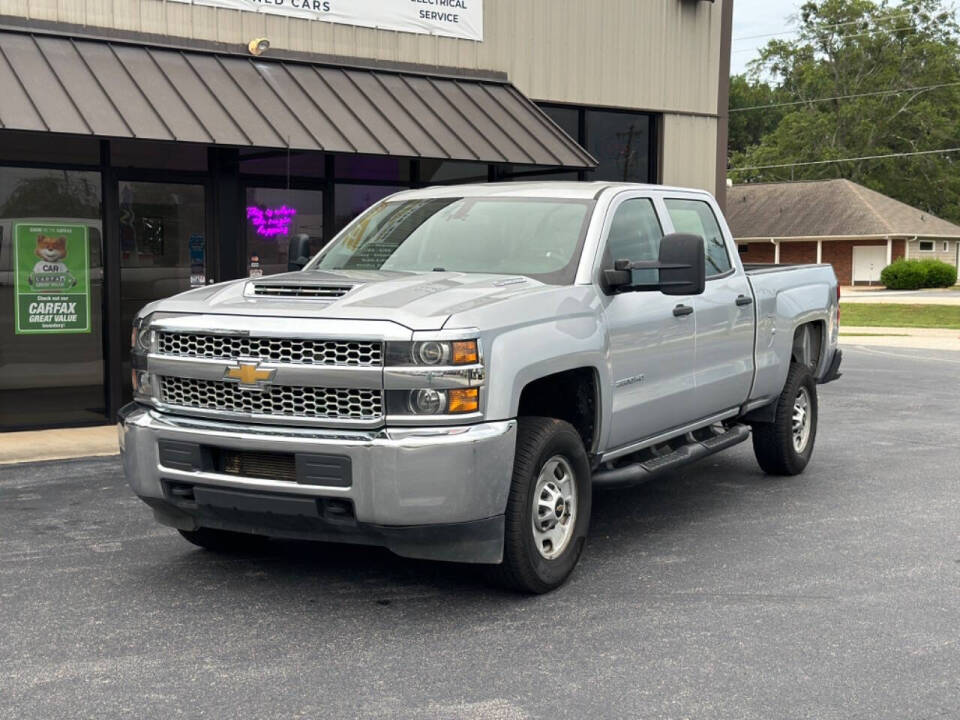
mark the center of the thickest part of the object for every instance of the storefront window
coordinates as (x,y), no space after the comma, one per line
(351,200)
(281,163)
(448,171)
(620,141)
(158,155)
(371,167)
(273,216)
(51,283)
(568,118)
(163,247)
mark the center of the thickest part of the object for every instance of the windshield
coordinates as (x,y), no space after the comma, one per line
(538,237)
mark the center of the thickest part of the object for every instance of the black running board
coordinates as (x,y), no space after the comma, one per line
(641,472)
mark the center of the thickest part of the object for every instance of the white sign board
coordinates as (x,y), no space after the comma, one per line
(453,18)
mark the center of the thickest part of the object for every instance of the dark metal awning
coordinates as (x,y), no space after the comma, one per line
(123,90)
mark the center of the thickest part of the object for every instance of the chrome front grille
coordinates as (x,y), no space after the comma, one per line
(318,403)
(278,350)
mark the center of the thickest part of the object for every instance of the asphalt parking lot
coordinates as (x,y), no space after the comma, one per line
(713,593)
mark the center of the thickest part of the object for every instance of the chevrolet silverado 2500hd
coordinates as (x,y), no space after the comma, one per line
(453,374)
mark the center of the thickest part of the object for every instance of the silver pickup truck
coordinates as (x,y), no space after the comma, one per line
(453,374)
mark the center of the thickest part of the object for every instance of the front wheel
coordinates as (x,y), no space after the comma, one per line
(784,446)
(548,510)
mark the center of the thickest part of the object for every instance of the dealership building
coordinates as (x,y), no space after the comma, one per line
(151,146)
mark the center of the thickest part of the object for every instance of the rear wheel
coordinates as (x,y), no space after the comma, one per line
(784,446)
(548,510)
(223,540)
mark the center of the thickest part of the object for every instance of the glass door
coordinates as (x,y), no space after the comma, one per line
(164,247)
(51,298)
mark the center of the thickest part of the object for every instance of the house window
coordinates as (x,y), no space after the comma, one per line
(926,246)
(946,246)
(743,248)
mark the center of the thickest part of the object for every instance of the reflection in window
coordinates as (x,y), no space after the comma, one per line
(696,217)
(282,163)
(273,216)
(351,200)
(473,235)
(620,141)
(52,377)
(635,235)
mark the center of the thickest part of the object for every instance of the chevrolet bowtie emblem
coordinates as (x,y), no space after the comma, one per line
(249,375)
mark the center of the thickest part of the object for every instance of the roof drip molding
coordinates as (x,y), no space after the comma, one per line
(53,83)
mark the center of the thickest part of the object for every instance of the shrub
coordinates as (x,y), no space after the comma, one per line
(904,275)
(915,274)
(939,273)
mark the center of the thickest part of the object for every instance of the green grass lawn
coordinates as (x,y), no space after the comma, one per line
(890,315)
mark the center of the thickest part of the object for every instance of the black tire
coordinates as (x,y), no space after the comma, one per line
(773,443)
(524,568)
(224,541)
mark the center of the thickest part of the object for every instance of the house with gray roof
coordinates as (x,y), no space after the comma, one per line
(857,230)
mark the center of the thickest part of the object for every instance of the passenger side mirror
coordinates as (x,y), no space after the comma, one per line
(298,254)
(681,268)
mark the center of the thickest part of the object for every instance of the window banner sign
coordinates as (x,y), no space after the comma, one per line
(52,278)
(452,18)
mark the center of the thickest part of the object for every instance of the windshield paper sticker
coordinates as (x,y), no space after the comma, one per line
(52,277)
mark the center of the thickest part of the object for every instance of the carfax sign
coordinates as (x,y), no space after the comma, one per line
(52,278)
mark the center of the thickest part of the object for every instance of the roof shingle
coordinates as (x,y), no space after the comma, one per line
(825,208)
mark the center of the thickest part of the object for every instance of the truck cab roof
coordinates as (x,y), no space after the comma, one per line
(551,188)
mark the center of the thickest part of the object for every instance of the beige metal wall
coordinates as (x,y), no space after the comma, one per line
(690,151)
(658,55)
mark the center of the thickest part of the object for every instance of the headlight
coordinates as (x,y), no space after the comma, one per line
(437,353)
(429,401)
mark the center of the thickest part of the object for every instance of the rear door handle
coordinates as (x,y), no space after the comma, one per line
(744,300)
(681,310)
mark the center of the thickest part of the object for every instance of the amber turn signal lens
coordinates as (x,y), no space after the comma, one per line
(465,352)
(464,401)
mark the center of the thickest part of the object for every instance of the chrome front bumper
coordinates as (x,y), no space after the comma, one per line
(443,478)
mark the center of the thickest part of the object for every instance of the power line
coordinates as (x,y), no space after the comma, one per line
(824,27)
(845,97)
(845,37)
(853,159)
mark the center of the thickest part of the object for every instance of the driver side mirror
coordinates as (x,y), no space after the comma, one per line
(681,268)
(298,253)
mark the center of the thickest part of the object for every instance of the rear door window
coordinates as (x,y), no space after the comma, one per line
(696,217)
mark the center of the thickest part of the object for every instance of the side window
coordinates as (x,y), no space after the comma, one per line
(635,234)
(696,217)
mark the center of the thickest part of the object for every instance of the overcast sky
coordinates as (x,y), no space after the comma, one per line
(758,17)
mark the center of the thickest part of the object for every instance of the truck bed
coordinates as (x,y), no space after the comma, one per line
(762,268)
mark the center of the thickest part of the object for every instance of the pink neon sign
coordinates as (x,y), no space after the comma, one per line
(270,222)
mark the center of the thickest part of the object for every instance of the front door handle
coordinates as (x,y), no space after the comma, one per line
(681,310)
(744,300)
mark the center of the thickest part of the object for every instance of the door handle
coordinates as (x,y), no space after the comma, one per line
(744,300)
(681,310)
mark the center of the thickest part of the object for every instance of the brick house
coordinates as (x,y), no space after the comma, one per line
(855,229)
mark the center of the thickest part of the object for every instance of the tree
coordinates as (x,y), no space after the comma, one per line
(749,126)
(903,63)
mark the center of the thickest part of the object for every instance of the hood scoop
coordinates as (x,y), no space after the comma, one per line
(288,289)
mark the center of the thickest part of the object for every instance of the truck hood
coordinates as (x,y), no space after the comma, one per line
(419,301)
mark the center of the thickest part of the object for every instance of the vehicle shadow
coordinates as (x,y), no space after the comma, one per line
(621,518)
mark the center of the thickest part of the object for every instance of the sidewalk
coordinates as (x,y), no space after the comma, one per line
(58,444)
(919,338)
(900,297)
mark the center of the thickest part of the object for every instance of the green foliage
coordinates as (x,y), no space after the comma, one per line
(916,274)
(748,128)
(855,47)
(938,274)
